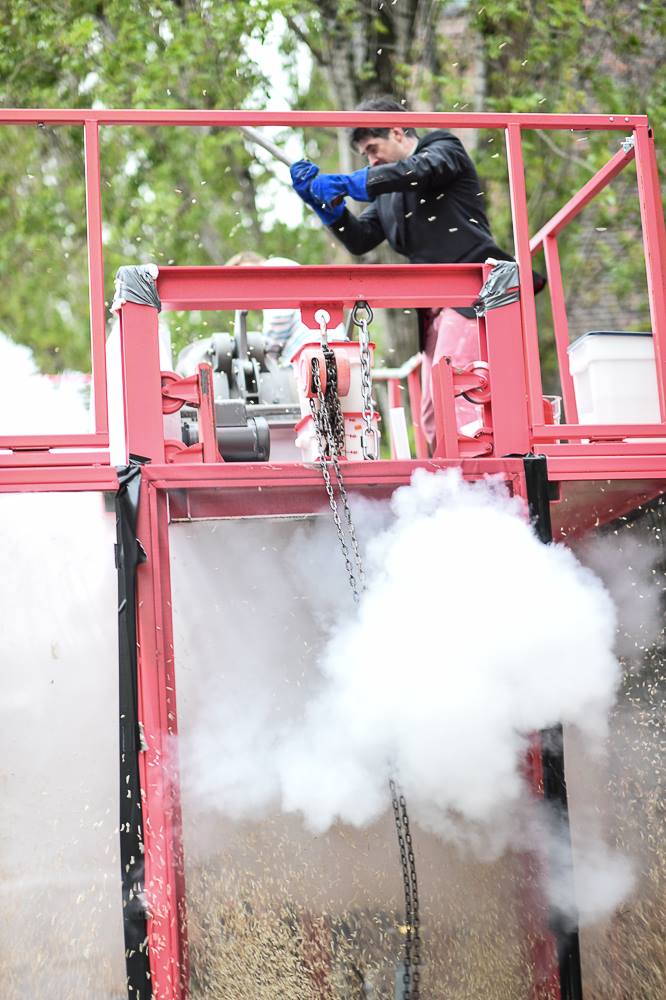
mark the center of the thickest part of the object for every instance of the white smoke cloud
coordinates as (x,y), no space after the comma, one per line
(33,403)
(471,635)
(625,561)
(587,884)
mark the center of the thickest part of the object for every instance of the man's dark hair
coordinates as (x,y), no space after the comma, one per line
(361,132)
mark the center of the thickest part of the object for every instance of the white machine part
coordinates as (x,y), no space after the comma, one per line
(615,379)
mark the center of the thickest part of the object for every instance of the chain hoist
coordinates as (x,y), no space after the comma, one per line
(329,426)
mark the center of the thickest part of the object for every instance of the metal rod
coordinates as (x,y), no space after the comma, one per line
(260,140)
(519,216)
(96,274)
(560,326)
(317,119)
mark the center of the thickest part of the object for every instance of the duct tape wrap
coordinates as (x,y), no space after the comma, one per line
(501,287)
(129,553)
(136,283)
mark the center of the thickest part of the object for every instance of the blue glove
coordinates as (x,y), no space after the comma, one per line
(302,174)
(326,188)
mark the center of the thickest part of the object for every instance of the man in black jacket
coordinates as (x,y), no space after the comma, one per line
(427,202)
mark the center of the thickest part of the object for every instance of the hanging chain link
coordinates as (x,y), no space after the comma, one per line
(329,427)
(411,978)
(362,316)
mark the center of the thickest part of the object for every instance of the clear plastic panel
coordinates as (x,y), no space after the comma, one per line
(619,797)
(61,934)
(275,910)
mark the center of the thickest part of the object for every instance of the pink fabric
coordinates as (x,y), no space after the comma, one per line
(447,334)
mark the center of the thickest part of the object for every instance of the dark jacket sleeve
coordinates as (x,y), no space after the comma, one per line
(359,234)
(436,166)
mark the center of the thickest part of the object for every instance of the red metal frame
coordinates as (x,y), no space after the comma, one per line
(512,124)
(513,419)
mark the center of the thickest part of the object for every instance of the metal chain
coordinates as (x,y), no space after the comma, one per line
(329,427)
(411,978)
(327,445)
(362,316)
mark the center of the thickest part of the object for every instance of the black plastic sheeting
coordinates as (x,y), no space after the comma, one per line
(563,927)
(136,283)
(129,553)
(500,288)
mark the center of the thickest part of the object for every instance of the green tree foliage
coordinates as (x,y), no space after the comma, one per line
(197,196)
(569,57)
(179,195)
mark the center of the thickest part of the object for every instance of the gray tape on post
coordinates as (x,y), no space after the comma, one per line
(501,287)
(136,283)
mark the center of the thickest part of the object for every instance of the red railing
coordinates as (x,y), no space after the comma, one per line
(86,449)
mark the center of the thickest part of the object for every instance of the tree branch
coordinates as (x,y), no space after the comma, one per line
(562,153)
(300,34)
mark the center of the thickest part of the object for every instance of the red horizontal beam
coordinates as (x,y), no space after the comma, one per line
(581,467)
(235,475)
(611,432)
(619,449)
(56,480)
(589,191)
(301,119)
(37,459)
(32,442)
(382,285)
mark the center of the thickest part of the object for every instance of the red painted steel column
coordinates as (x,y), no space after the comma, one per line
(654,241)
(96,273)
(508,401)
(414,389)
(395,402)
(542,946)
(165,885)
(524,258)
(139,344)
(560,326)
(446,422)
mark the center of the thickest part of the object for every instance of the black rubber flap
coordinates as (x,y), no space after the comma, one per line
(563,927)
(129,553)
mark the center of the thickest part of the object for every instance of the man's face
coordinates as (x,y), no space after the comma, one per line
(377,150)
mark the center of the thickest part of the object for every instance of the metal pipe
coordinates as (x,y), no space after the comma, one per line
(260,140)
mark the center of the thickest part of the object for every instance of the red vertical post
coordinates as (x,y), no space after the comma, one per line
(654,242)
(508,401)
(560,326)
(523,256)
(95,272)
(414,389)
(395,402)
(207,429)
(164,879)
(140,353)
(446,422)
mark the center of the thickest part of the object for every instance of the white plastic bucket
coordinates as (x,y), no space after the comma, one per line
(615,379)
